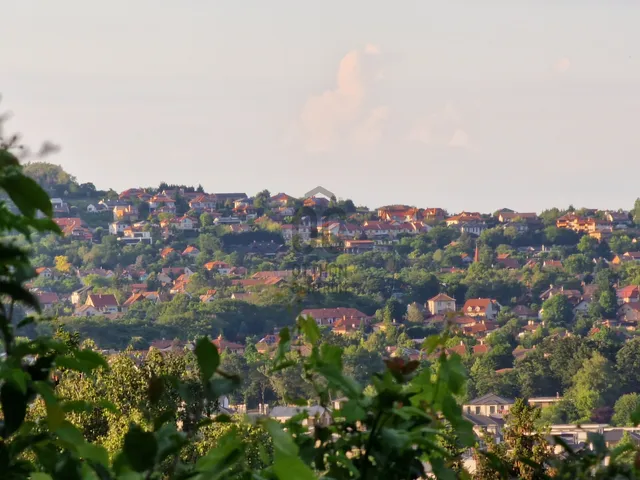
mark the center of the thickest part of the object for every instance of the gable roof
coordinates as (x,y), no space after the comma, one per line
(102,300)
(491,399)
(442,297)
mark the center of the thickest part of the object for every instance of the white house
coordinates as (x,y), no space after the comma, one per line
(117,228)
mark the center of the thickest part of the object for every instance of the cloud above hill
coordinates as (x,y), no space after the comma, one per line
(345,114)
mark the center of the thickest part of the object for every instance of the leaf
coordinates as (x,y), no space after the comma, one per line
(287,467)
(17,293)
(309,327)
(14,408)
(282,441)
(140,448)
(91,359)
(208,358)
(40,476)
(70,434)
(97,453)
(77,406)
(27,195)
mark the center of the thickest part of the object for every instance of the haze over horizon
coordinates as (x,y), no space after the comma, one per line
(459,105)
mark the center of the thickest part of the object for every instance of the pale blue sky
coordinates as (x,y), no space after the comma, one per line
(456,104)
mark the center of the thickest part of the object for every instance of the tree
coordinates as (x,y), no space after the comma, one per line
(635,213)
(62,264)
(628,365)
(594,386)
(557,311)
(206,219)
(577,264)
(624,410)
(620,244)
(608,302)
(588,246)
(524,441)
(414,314)
(261,199)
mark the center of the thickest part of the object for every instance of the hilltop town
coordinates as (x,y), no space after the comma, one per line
(542,305)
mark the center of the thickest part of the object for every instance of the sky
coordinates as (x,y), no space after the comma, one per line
(473,105)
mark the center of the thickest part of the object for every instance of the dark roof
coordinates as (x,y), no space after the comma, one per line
(483,420)
(491,399)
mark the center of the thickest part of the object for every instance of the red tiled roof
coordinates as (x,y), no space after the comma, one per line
(442,297)
(47,298)
(102,300)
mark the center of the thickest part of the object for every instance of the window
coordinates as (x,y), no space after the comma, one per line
(477,410)
(492,409)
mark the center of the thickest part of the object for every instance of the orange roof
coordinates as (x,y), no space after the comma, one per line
(441,297)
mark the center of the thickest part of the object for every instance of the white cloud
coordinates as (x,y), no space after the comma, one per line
(369,131)
(562,65)
(460,139)
(343,113)
(443,128)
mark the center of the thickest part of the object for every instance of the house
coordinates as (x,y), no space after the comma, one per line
(223,268)
(86,311)
(628,294)
(125,213)
(280,199)
(441,304)
(508,217)
(473,227)
(504,260)
(316,415)
(316,202)
(166,252)
(552,264)
(224,345)
(347,326)
(47,299)
(486,425)
(463,217)
(117,228)
(203,202)
(134,236)
(629,312)
(488,405)
(481,307)
(245,297)
(45,272)
(185,223)
(327,316)
(164,201)
(358,246)
(434,214)
(460,349)
(76,296)
(134,298)
(523,312)
(60,207)
(104,303)
(97,208)
(208,297)
(618,218)
(190,251)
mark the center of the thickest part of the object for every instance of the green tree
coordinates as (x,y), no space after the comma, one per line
(628,365)
(595,385)
(624,410)
(557,311)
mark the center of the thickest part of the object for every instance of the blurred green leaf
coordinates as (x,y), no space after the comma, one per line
(208,357)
